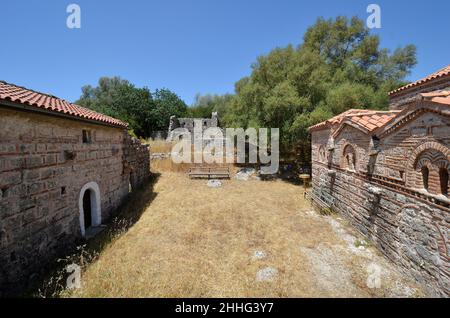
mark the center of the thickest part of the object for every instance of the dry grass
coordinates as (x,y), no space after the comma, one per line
(158,145)
(194,241)
(167,164)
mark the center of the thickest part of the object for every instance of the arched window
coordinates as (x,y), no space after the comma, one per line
(348,160)
(430,172)
(425,176)
(322,154)
(443,177)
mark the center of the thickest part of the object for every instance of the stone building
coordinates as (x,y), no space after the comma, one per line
(64,169)
(387,172)
(188,124)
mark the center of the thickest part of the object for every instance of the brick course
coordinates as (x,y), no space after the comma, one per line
(386,203)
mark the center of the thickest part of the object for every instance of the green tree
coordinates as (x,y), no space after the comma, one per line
(166,104)
(205,105)
(143,110)
(338,66)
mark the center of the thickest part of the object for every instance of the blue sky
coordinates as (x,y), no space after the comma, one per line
(188,46)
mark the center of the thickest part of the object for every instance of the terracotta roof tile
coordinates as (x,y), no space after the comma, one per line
(336,120)
(436,94)
(441,73)
(441,100)
(17,94)
(369,120)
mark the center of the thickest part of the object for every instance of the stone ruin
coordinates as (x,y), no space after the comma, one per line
(188,124)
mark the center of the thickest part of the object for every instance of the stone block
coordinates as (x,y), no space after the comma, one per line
(10,178)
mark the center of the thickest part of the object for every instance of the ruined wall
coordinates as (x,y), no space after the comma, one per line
(407,223)
(188,124)
(43,166)
(136,161)
(400,99)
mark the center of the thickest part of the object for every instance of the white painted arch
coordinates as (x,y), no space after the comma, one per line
(96,209)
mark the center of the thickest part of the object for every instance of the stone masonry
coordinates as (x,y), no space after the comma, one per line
(46,162)
(188,124)
(387,173)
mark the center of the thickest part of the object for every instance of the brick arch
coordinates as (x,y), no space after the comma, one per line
(430,145)
(349,154)
(432,155)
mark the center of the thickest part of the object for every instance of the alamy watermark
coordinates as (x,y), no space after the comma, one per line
(374,19)
(230,145)
(74,279)
(74,19)
(374,276)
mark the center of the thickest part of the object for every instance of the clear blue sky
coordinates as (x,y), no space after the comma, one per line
(188,46)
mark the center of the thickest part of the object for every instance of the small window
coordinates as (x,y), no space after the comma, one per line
(86,137)
(443,177)
(2,193)
(63,190)
(425,176)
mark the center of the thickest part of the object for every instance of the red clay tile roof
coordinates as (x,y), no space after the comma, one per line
(369,120)
(441,100)
(435,94)
(17,94)
(441,73)
(372,120)
(335,120)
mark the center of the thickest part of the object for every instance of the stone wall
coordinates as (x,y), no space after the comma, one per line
(408,223)
(136,161)
(44,164)
(188,124)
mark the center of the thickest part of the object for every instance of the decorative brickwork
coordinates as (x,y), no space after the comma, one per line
(392,184)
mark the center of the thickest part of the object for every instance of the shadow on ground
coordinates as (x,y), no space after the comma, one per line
(54,282)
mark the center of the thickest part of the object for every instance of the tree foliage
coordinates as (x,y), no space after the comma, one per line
(338,66)
(143,110)
(205,105)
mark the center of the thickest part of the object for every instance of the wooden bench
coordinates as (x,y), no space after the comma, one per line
(204,172)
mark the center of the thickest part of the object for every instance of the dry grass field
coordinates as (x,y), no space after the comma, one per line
(188,240)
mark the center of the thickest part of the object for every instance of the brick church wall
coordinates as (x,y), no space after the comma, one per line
(389,205)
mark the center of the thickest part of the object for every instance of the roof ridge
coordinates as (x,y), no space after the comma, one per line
(444,71)
(22,95)
(374,112)
(32,90)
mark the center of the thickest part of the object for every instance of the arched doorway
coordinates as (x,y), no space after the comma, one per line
(87,209)
(90,208)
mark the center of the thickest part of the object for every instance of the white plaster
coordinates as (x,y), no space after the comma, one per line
(96,210)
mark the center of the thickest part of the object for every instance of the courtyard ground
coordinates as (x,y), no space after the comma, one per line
(244,239)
